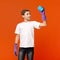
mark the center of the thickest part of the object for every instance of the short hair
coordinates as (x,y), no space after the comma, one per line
(23,11)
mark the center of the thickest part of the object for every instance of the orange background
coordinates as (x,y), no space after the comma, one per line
(47,40)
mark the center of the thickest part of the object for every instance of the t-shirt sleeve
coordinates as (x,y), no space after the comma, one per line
(36,25)
(17,30)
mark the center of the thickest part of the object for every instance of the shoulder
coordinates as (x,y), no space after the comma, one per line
(19,23)
(34,21)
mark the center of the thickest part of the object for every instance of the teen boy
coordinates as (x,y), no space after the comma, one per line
(25,31)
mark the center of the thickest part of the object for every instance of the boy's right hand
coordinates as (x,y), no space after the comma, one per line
(15,49)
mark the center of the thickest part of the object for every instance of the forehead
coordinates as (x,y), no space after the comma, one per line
(27,12)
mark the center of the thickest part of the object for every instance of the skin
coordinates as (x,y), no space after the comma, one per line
(26,18)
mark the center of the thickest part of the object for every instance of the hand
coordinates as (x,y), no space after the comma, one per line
(42,11)
(15,49)
(40,8)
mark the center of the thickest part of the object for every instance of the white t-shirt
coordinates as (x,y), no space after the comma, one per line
(26,31)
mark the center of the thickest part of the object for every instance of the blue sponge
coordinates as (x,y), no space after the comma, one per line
(40,8)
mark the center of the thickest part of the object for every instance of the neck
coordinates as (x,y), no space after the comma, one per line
(25,20)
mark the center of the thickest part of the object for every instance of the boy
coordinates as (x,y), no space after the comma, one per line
(25,31)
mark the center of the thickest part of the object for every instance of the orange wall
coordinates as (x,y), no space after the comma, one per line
(47,40)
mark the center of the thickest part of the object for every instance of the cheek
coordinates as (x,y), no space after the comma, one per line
(27,16)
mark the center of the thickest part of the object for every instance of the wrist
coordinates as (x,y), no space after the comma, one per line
(15,48)
(43,13)
(43,17)
(15,45)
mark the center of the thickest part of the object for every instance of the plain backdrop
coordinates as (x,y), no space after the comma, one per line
(47,39)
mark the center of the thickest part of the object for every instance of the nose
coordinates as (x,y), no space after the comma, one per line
(29,15)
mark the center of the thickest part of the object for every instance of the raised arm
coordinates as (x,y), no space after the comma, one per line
(42,11)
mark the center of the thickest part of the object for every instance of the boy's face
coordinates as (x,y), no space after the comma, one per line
(27,15)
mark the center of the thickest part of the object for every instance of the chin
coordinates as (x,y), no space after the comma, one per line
(28,19)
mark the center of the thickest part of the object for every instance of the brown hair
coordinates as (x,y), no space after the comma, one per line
(23,11)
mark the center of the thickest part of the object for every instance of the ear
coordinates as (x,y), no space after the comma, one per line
(23,16)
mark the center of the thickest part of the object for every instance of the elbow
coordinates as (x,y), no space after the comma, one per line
(45,24)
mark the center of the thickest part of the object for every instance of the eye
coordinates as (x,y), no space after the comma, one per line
(27,13)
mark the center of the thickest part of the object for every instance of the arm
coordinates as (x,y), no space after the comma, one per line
(16,44)
(43,23)
(17,38)
(42,11)
(17,32)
